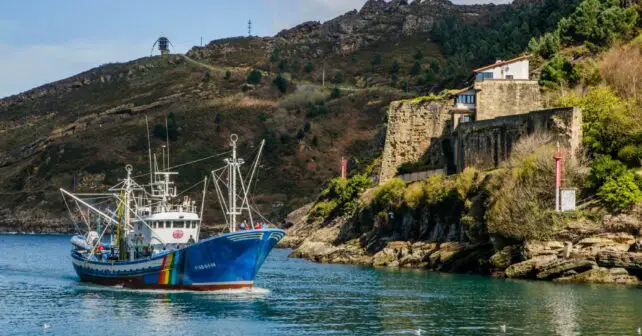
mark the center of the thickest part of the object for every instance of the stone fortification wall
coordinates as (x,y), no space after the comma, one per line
(497,98)
(485,144)
(415,127)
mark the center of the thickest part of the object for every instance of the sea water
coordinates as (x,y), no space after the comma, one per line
(40,295)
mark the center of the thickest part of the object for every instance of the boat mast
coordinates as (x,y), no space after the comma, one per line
(233,165)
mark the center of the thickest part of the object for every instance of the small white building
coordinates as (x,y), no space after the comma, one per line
(467,104)
(516,68)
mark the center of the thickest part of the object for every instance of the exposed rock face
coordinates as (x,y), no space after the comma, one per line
(632,261)
(414,127)
(601,275)
(377,21)
(528,268)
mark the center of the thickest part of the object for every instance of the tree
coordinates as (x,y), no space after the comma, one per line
(418,55)
(394,69)
(254,77)
(336,93)
(171,131)
(281,83)
(376,60)
(296,66)
(228,75)
(275,55)
(338,77)
(308,67)
(416,69)
(283,66)
(306,127)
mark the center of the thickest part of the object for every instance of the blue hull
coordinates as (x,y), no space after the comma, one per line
(227,261)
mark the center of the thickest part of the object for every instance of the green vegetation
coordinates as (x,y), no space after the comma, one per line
(340,197)
(281,83)
(336,93)
(171,131)
(228,75)
(308,67)
(254,77)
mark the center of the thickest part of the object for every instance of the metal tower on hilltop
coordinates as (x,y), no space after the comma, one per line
(249,28)
(163,46)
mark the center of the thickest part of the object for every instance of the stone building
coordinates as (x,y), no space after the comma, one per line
(475,126)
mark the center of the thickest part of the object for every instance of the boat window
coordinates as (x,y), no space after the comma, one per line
(171,224)
(184,224)
(193,224)
(165,224)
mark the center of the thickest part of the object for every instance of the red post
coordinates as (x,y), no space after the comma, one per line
(344,167)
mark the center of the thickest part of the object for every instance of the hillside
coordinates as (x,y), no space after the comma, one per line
(499,219)
(78,133)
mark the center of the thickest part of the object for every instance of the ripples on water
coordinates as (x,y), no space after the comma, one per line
(294,297)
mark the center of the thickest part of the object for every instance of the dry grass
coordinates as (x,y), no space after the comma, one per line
(621,69)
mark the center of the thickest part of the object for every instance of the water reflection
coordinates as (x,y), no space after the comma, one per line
(305,299)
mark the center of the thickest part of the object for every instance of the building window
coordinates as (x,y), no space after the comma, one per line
(466,118)
(510,77)
(484,75)
(466,99)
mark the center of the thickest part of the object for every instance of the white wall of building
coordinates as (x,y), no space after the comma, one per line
(519,70)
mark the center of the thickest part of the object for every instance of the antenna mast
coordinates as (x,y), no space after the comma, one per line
(249,28)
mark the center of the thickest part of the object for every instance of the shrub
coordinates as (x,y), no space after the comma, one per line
(609,123)
(336,93)
(603,169)
(376,60)
(621,69)
(281,83)
(413,196)
(228,75)
(317,110)
(283,66)
(323,209)
(416,69)
(620,193)
(254,77)
(390,194)
(300,134)
(338,77)
(303,96)
(341,195)
(465,181)
(207,77)
(296,66)
(308,67)
(436,190)
(521,199)
(418,55)
(631,154)
(394,69)
(306,127)
(275,55)
(171,131)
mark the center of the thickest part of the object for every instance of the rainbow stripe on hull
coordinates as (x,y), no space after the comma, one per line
(227,261)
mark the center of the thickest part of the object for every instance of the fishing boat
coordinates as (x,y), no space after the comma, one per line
(148,236)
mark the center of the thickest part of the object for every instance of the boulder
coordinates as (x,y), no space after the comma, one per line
(601,275)
(538,248)
(618,237)
(530,267)
(391,254)
(628,260)
(559,267)
(445,254)
(507,256)
(313,250)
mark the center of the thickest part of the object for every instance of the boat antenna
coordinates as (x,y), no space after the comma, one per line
(167,140)
(149,153)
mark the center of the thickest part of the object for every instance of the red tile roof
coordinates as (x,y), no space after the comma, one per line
(500,63)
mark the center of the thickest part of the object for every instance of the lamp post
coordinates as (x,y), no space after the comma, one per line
(558,176)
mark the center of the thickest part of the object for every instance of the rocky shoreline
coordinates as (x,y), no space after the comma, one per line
(584,256)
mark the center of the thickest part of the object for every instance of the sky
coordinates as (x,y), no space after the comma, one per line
(43,41)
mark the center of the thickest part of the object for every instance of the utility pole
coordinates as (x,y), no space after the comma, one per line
(249,28)
(558,176)
(201,41)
